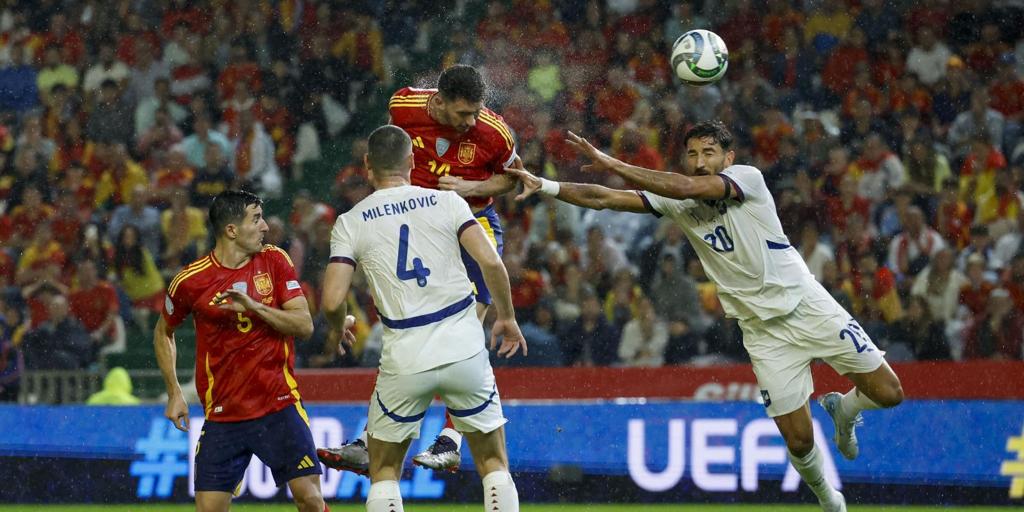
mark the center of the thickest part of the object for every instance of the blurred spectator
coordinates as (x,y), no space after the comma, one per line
(953,215)
(55,71)
(999,334)
(1007,93)
(999,208)
(184,231)
(926,170)
(917,335)
(19,91)
(1008,244)
(939,284)
(138,274)
(980,121)
(117,389)
(253,160)
(212,178)
(28,216)
(928,58)
(157,141)
(138,214)
(528,285)
(675,299)
(195,144)
(623,299)
(40,257)
(146,70)
(875,299)
(839,71)
(111,120)
(878,170)
(644,337)
(60,342)
(108,68)
(151,107)
(912,249)
(590,340)
(174,173)
(93,301)
(978,174)
(815,253)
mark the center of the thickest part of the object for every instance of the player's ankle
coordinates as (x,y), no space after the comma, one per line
(452,434)
(384,496)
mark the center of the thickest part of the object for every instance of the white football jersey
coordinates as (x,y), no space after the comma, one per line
(406,241)
(741,245)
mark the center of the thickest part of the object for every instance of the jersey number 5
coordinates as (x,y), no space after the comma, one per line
(244,323)
(418,271)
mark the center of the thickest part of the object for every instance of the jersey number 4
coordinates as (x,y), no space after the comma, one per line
(720,240)
(418,271)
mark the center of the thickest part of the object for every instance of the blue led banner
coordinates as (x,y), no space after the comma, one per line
(712,447)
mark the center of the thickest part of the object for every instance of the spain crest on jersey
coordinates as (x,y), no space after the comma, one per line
(264,285)
(467,152)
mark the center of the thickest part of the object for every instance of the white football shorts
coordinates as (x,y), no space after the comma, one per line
(782,349)
(467,388)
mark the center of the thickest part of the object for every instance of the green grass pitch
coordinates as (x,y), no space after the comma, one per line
(413,507)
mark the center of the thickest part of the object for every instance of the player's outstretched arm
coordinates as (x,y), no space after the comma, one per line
(166,356)
(595,197)
(293,319)
(666,184)
(496,185)
(496,277)
(337,281)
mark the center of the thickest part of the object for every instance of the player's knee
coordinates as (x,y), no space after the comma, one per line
(800,443)
(892,395)
(311,502)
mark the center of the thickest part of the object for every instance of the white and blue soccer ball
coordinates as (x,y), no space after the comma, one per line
(699,57)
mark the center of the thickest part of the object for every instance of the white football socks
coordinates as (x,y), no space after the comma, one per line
(454,435)
(500,493)
(384,497)
(854,402)
(812,469)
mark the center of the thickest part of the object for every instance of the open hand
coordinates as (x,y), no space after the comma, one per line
(531,183)
(600,161)
(512,338)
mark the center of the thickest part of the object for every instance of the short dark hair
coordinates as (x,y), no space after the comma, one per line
(462,82)
(387,148)
(714,129)
(229,206)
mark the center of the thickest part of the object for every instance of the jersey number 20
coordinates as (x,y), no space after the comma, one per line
(720,240)
(418,271)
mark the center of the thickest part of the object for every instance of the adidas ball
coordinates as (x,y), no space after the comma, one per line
(699,57)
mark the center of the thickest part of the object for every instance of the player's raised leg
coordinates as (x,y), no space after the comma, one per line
(872,390)
(798,432)
(443,454)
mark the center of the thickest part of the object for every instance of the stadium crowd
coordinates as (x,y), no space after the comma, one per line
(889,132)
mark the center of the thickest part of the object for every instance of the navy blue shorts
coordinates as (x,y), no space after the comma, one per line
(281,440)
(488,219)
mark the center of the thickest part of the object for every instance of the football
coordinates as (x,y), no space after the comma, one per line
(699,57)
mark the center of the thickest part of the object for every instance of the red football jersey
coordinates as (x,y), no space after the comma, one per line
(244,368)
(438,150)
